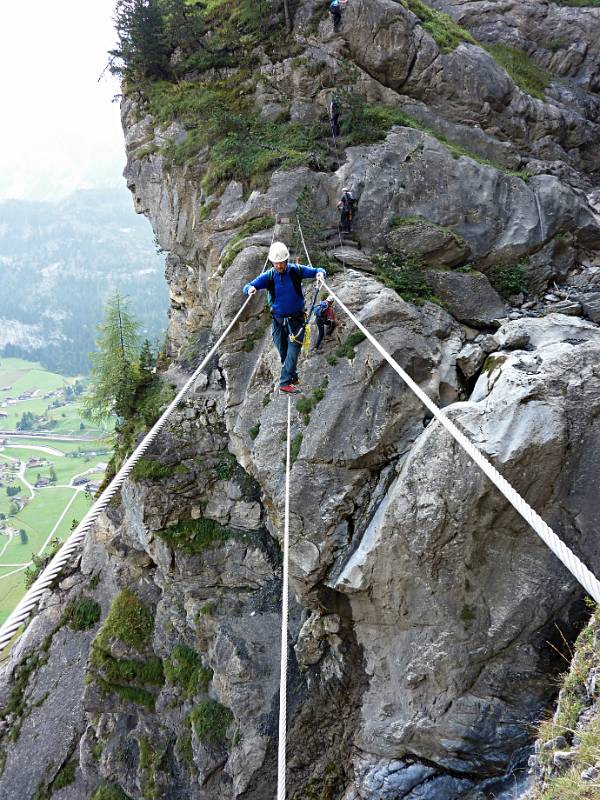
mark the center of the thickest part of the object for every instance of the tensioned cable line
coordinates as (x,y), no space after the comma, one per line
(575,566)
(35,593)
(281,752)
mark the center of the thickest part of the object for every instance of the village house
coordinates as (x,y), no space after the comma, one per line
(36,462)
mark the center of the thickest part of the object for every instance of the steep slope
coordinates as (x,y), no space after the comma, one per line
(425,614)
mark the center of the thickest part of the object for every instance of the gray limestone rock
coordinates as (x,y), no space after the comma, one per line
(353,258)
(435,244)
(435,483)
(469,297)
(591,306)
(551,263)
(470,359)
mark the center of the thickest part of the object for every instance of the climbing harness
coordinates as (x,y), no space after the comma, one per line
(281,752)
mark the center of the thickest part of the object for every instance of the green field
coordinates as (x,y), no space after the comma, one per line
(18,377)
(52,509)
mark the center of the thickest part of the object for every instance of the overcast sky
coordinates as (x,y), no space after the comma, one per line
(59,130)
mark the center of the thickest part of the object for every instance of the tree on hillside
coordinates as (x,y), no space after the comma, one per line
(147,363)
(115,370)
(142,50)
(184,24)
(26,422)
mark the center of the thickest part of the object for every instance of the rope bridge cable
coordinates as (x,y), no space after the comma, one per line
(44,581)
(281,753)
(575,566)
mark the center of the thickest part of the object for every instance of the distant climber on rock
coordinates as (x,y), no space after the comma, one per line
(336,13)
(325,318)
(283,282)
(347,206)
(334,115)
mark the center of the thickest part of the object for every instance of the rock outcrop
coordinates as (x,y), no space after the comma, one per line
(424,611)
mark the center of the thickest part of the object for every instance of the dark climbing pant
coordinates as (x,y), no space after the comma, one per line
(346,220)
(335,125)
(337,18)
(288,351)
(321,325)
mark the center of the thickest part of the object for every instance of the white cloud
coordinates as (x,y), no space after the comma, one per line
(59,129)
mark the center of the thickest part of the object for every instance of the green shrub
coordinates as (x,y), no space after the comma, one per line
(528,76)
(243,146)
(81,614)
(194,536)
(405,276)
(446,32)
(151,470)
(65,777)
(346,350)
(109,791)
(124,671)
(509,280)
(295,446)
(210,721)
(41,562)
(254,431)
(306,404)
(226,467)
(184,669)
(128,620)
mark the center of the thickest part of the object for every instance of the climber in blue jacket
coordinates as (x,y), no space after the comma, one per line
(284,285)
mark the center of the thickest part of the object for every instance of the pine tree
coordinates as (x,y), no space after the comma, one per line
(142,50)
(147,364)
(184,24)
(115,371)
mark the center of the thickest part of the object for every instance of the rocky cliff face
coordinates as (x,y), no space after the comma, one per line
(424,611)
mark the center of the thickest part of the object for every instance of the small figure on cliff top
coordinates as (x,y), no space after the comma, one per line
(335,10)
(334,115)
(325,318)
(347,205)
(284,285)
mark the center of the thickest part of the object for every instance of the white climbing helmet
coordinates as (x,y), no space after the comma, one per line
(278,252)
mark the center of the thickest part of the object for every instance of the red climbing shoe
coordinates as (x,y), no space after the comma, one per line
(289,389)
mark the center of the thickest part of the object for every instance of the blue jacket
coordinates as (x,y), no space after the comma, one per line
(287,300)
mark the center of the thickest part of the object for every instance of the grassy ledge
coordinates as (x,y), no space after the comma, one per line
(564,732)
(194,536)
(447,33)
